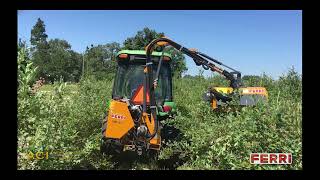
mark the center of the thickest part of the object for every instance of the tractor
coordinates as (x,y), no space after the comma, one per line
(142,96)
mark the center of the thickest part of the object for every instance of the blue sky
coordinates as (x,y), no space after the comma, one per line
(252,42)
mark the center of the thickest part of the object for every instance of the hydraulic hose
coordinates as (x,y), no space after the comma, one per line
(198,58)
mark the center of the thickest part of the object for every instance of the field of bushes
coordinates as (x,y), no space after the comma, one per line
(64,120)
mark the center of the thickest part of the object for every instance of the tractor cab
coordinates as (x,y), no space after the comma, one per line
(130,76)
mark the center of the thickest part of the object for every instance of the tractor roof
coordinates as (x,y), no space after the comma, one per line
(142,52)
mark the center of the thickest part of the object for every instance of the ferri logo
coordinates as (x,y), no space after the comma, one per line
(115,116)
(271,158)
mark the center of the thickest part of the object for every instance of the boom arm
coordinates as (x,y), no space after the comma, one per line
(200,59)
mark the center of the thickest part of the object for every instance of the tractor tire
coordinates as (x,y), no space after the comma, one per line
(104,124)
(110,146)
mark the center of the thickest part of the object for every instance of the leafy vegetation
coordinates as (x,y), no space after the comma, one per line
(54,58)
(64,120)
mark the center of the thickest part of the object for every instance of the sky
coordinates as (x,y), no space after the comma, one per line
(253,42)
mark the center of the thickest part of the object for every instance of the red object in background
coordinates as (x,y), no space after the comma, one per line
(166,108)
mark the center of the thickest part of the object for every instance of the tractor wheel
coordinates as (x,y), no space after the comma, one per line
(104,124)
(110,146)
(152,154)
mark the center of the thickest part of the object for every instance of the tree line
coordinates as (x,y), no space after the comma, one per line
(56,60)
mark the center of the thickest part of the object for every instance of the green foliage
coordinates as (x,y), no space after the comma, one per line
(54,59)
(39,47)
(178,63)
(26,72)
(100,60)
(290,84)
(262,80)
(63,62)
(58,122)
(38,34)
(141,39)
(218,80)
(215,140)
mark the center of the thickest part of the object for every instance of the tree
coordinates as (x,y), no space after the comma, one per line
(141,39)
(38,35)
(39,47)
(110,55)
(100,59)
(63,62)
(75,66)
(178,63)
(59,57)
(144,37)
(54,59)
(251,77)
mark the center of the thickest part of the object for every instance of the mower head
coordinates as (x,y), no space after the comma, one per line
(248,96)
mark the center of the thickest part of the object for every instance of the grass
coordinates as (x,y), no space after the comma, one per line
(67,118)
(71,87)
